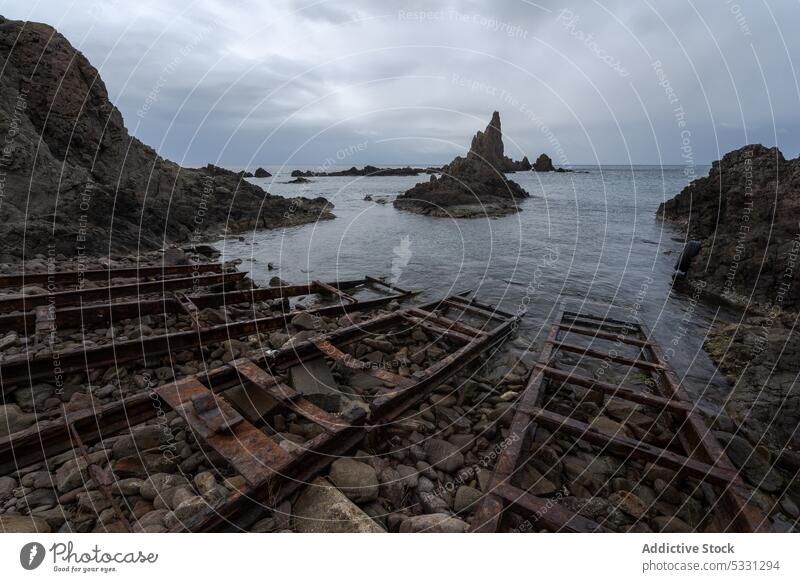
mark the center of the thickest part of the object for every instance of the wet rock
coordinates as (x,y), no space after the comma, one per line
(139,440)
(151,487)
(73,473)
(155,517)
(324,509)
(465,499)
(357,480)
(305,321)
(93,501)
(434,523)
(7,486)
(667,524)
(23,524)
(444,455)
(12,419)
(629,503)
(753,462)
(409,476)
(145,464)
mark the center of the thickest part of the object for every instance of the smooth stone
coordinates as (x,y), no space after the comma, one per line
(357,480)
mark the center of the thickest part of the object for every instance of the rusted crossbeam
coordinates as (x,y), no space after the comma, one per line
(331,351)
(669,404)
(248,450)
(324,287)
(601,355)
(104,313)
(704,459)
(74,277)
(442,321)
(546,513)
(631,447)
(597,333)
(490,510)
(19,369)
(62,298)
(699,440)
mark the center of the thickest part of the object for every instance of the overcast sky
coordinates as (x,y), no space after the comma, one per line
(245,83)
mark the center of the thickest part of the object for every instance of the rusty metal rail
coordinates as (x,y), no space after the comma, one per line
(271,472)
(703,458)
(149,350)
(78,297)
(341,435)
(75,277)
(106,313)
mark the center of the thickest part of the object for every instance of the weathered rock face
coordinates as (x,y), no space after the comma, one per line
(761,357)
(73,176)
(745,214)
(748,207)
(543,164)
(470,186)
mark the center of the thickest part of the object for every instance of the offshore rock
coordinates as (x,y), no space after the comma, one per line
(469,187)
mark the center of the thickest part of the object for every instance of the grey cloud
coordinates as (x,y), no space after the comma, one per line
(417,79)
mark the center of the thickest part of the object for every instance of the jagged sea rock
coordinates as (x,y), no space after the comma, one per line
(469,187)
(543,164)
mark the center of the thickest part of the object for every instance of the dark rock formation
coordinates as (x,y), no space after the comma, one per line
(745,213)
(262,173)
(366,171)
(470,186)
(73,179)
(521,166)
(543,164)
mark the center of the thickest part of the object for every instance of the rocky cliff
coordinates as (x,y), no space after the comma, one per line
(745,213)
(470,186)
(71,175)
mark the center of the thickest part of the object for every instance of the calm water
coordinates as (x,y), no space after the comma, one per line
(586,236)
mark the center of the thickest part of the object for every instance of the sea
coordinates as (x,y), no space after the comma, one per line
(588,236)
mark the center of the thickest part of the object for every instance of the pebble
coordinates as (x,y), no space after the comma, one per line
(357,480)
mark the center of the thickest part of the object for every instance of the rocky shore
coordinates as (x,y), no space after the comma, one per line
(469,187)
(76,182)
(744,215)
(367,171)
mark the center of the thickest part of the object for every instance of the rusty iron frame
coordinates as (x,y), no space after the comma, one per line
(105,313)
(48,438)
(21,368)
(75,277)
(77,297)
(270,473)
(244,507)
(703,458)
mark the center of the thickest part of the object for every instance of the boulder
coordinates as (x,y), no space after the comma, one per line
(12,419)
(357,480)
(322,508)
(434,523)
(23,524)
(443,455)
